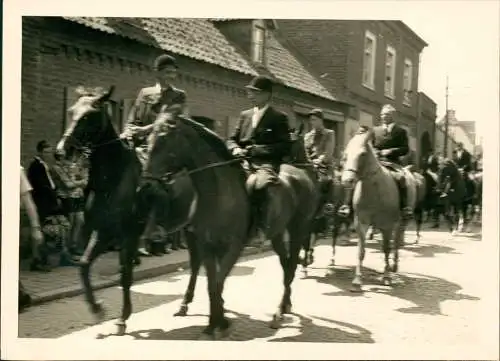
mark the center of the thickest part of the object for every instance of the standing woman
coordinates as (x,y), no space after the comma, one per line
(71,176)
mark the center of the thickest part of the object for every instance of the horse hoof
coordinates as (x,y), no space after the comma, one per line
(121,328)
(386,281)
(182,311)
(275,323)
(98,311)
(356,288)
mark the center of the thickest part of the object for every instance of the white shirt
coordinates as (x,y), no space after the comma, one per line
(257,115)
(52,184)
(388,127)
(459,153)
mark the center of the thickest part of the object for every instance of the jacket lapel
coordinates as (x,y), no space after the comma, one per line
(265,118)
(247,125)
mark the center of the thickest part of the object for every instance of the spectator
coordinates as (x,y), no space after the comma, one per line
(71,177)
(54,225)
(27,204)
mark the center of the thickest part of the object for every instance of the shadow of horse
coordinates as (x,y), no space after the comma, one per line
(247,328)
(420,250)
(426,292)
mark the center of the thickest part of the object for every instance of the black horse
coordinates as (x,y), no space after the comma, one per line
(114,177)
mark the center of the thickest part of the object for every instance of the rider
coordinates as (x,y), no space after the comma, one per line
(262,136)
(163,97)
(320,145)
(463,159)
(390,143)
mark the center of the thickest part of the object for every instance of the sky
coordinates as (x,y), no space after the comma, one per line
(463,44)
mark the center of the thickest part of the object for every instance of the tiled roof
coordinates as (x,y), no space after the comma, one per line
(195,38)
(200,39)
(285,66)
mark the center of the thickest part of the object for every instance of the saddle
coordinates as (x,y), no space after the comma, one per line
(393,167)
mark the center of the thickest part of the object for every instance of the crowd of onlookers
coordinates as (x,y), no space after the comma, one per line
(53,190)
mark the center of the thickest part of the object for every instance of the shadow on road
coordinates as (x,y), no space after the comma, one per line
(246,328)
(420,250)
(426,292)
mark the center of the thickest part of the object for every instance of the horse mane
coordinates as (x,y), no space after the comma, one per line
(210,137)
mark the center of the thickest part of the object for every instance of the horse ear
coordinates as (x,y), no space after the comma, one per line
(104,96)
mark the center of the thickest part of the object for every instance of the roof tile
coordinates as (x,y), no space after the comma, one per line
(200,39)
(195,38)
(285,66)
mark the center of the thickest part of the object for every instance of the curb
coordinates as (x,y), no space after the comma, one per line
(138,275)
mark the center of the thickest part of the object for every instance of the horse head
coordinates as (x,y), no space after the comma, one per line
(89,120)
(356,156)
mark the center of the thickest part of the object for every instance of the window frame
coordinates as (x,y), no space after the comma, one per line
(391,92)
(258,48)
(407,81)
(371,82)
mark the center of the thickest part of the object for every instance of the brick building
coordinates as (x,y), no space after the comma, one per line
(426,126)
(216,59)
(367,63)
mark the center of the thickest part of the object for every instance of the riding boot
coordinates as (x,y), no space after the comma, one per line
(345,208)
(403,199)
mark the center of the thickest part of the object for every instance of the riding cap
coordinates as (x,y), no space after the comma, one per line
(261,83)
(316,112)
(164,61)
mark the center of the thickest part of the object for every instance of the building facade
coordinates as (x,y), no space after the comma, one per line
(458,132)
(426,127)
(365,63)
(62,53)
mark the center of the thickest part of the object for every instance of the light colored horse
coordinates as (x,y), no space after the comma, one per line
(375,202)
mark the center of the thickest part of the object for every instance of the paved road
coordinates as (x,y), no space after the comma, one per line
(439,300)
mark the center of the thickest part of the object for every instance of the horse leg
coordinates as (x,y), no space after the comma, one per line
(335,231)
(214,293)
(357,282)
(94,249)
(399,241)
(386,248)
(418,222)
(308,247)
(226,264)
(128,253)
(195,263)
(279,247)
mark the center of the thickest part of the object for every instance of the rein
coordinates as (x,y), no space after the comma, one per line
(167,177)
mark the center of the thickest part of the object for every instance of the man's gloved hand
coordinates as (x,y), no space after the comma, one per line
(240,152)
(257,149)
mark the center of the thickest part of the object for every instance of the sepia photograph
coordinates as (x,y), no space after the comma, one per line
(308,180)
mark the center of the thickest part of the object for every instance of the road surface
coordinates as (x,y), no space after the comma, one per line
(438,299)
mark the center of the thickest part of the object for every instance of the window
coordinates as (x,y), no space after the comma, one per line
(390,72)
(407,80)
(369,60)
(365,119)
(258,38)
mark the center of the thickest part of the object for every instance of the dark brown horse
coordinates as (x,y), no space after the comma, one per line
(110,211)
(453,191)
(186,149)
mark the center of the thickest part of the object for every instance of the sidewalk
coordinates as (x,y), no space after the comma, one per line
(65,282)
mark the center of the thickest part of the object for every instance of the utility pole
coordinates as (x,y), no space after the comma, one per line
(446,123)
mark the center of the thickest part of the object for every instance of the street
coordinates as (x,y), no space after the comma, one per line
(437,299)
